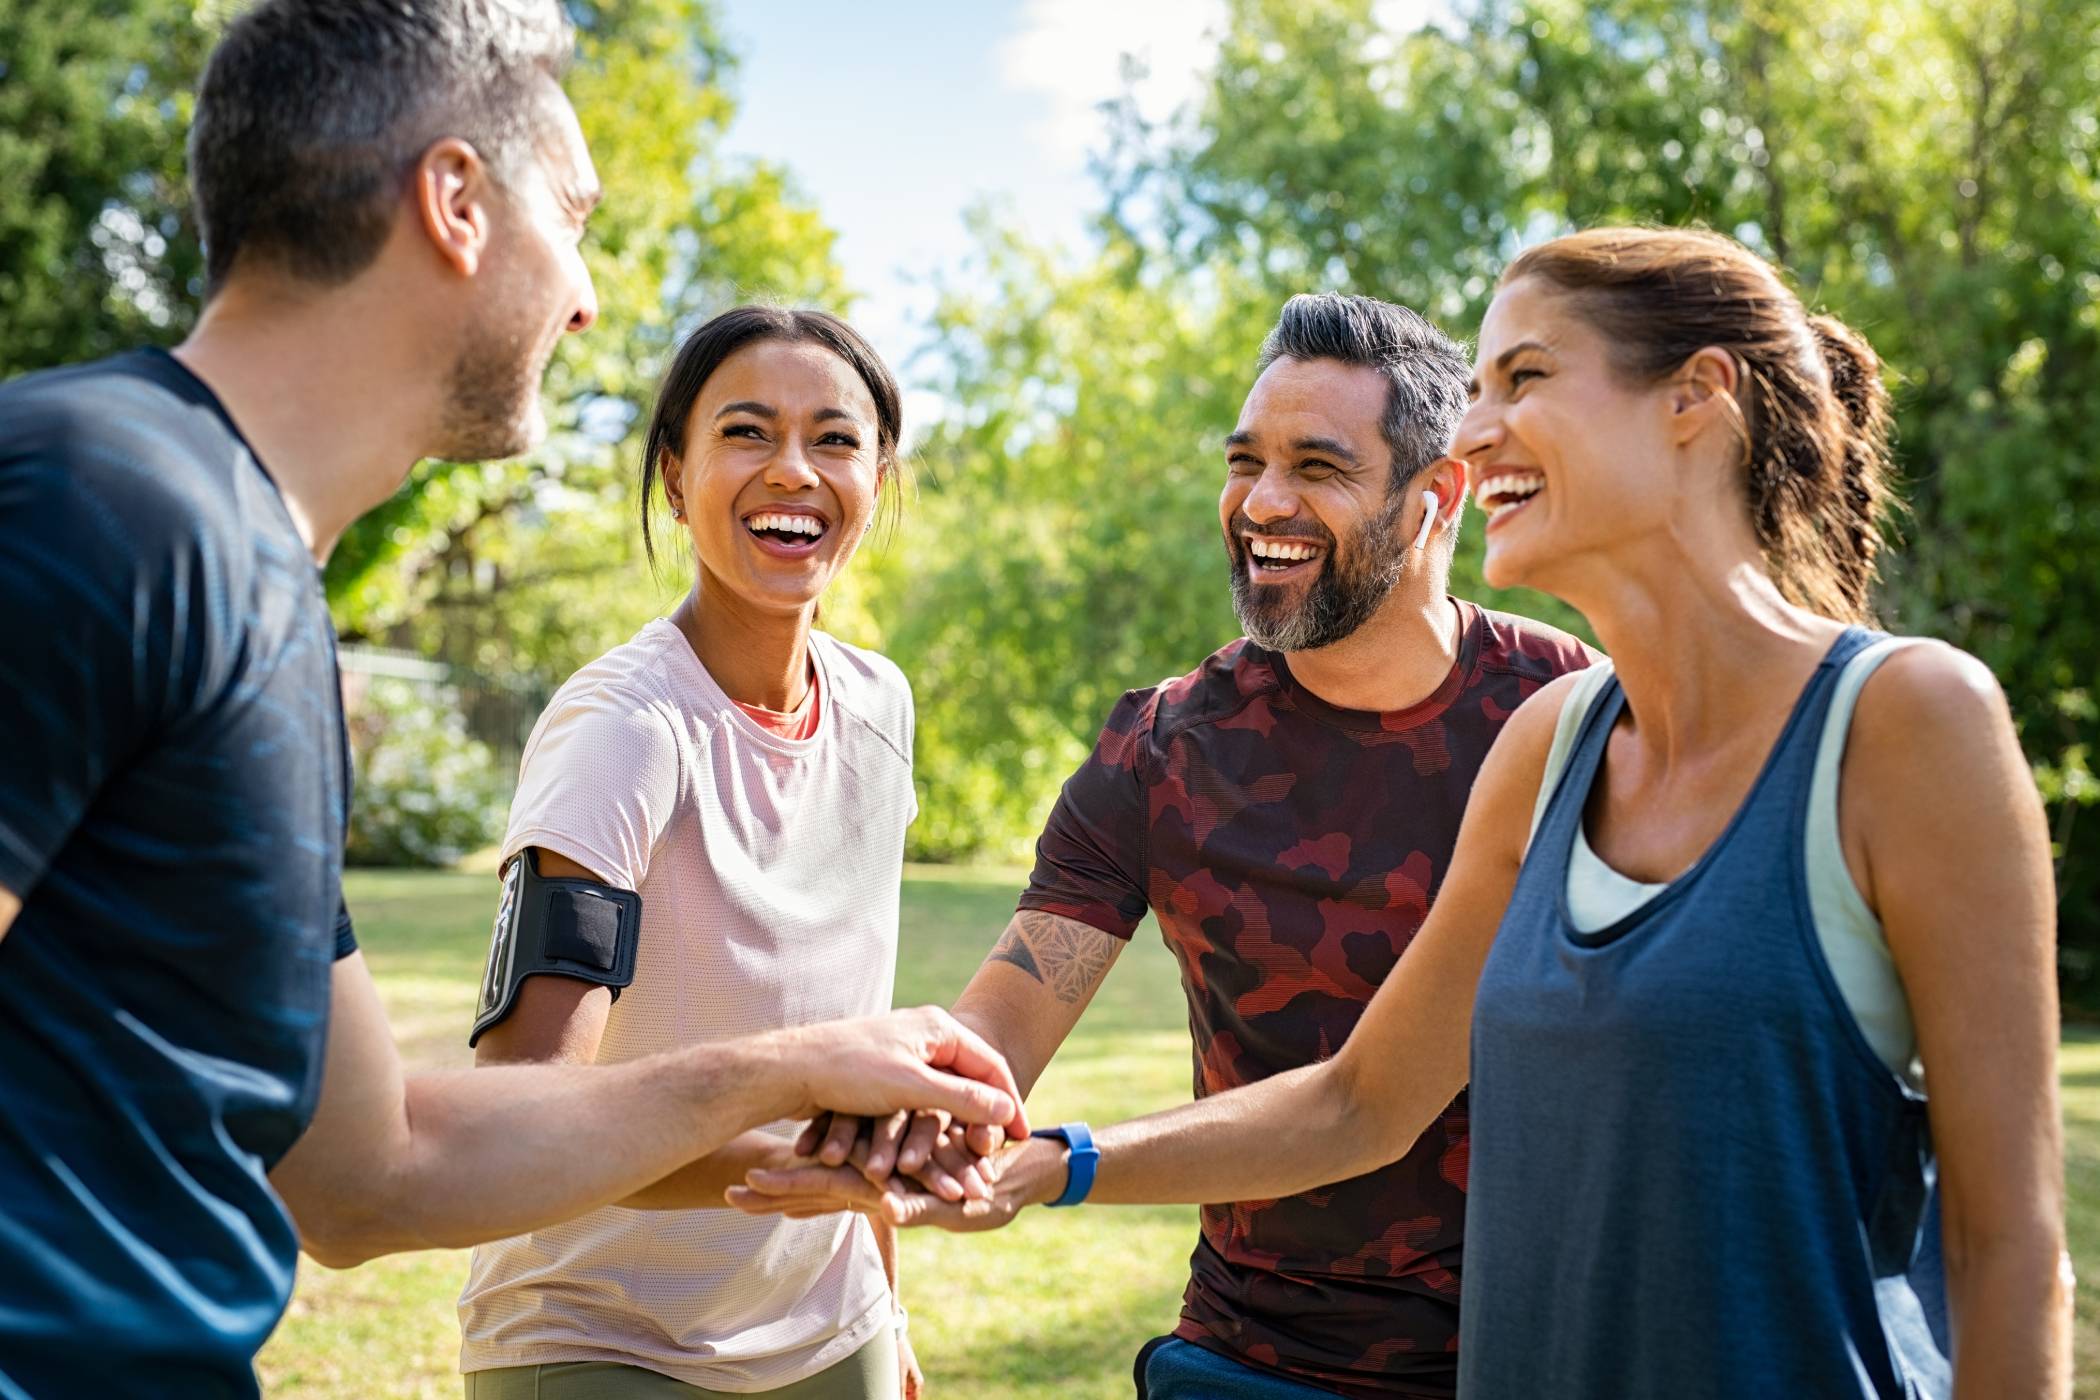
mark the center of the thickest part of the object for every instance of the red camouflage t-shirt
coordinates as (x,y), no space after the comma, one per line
(1290,850)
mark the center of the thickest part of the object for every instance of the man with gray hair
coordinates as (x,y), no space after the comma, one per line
(1286,811)
(392,194)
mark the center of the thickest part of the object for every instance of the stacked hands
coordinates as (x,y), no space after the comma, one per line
(910,1168)
(955,1170)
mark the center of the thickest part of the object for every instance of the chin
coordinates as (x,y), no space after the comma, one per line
(1504,568)
(780,594)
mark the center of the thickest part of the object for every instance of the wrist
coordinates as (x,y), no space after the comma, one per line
(1040,1171)
(754,1082)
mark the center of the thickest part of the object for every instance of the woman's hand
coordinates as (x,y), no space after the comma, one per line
(1026,1175)
(911,1381)
(930,1148)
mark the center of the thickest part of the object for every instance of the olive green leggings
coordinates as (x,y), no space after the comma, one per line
(868,1374)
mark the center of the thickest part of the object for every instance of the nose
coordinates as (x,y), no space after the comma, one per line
(1479,432)
(790,469)
(586,312)
(1271,498)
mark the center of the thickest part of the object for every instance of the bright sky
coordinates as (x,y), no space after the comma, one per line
(896,118)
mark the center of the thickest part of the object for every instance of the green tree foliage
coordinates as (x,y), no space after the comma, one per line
(95,251)
(1064,544)
(1927,168)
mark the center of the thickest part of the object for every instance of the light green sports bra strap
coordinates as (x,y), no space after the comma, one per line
(1581,696)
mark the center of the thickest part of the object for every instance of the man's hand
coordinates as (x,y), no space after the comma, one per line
(918,1059)
(1029,1174)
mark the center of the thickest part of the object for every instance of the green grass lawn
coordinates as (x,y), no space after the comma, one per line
(1054,1306)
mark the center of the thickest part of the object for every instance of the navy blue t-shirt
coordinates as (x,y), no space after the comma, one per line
(173,792)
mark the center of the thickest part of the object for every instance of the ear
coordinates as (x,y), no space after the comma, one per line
(1704,393)
(452,192)
(1447,477)
(672,471)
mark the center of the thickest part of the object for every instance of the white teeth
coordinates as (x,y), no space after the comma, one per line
(1502,494)
(787,524)
(1279,549)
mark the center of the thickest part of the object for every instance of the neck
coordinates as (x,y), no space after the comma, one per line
(1395,660)
(758,657)
(327,388)
(1699,648)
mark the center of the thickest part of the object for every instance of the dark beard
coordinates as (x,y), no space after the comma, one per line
(1352,585)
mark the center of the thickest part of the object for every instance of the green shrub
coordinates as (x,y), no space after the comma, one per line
(427,792)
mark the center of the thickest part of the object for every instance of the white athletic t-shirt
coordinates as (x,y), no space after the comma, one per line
(769,870)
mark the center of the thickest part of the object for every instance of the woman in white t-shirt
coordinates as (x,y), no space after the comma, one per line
(750,778)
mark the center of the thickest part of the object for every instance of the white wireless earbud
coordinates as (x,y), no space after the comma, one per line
(1428,519)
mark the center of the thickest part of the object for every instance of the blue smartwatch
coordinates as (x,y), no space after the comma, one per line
(1081,1158)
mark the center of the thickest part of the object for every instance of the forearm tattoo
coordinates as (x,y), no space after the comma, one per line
(1064,955)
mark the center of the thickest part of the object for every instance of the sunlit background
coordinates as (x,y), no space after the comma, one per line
(1068,224)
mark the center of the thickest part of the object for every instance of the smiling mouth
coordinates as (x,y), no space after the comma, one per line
(1505,493)
(1273,560)
(781,532)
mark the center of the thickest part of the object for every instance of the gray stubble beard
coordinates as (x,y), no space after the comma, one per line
(1342,599)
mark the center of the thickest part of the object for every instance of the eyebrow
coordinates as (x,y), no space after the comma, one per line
(752,406)
(1332,447)
(582,200)
(1502,361)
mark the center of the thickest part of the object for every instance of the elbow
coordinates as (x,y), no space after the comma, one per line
(332,1254)
(345,1234)
(1367,1128)
(336,1245)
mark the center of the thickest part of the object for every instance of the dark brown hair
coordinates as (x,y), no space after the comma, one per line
(1425,370)
(312,113)
(1815,417)
(703,353)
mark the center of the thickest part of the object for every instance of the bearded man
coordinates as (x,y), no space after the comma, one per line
(1286,810)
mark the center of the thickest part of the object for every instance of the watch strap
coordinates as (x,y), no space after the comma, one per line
(1081,1159)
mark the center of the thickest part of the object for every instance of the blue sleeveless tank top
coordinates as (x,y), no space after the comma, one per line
(1691,1175)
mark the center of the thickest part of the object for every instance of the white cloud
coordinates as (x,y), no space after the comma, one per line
(1398,17)
(1072,52)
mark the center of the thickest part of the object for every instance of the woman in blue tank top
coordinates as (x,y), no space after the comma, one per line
(1692,1174)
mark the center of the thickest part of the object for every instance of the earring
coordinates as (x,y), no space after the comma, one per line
(678,512)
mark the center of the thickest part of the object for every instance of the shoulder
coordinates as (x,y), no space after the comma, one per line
(1530,649)
(870,688)
(1975,794)
(112,492)
(102,449)
(860,670)
(1929,697)
(1232,678)
(623,698)
(1930,684)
